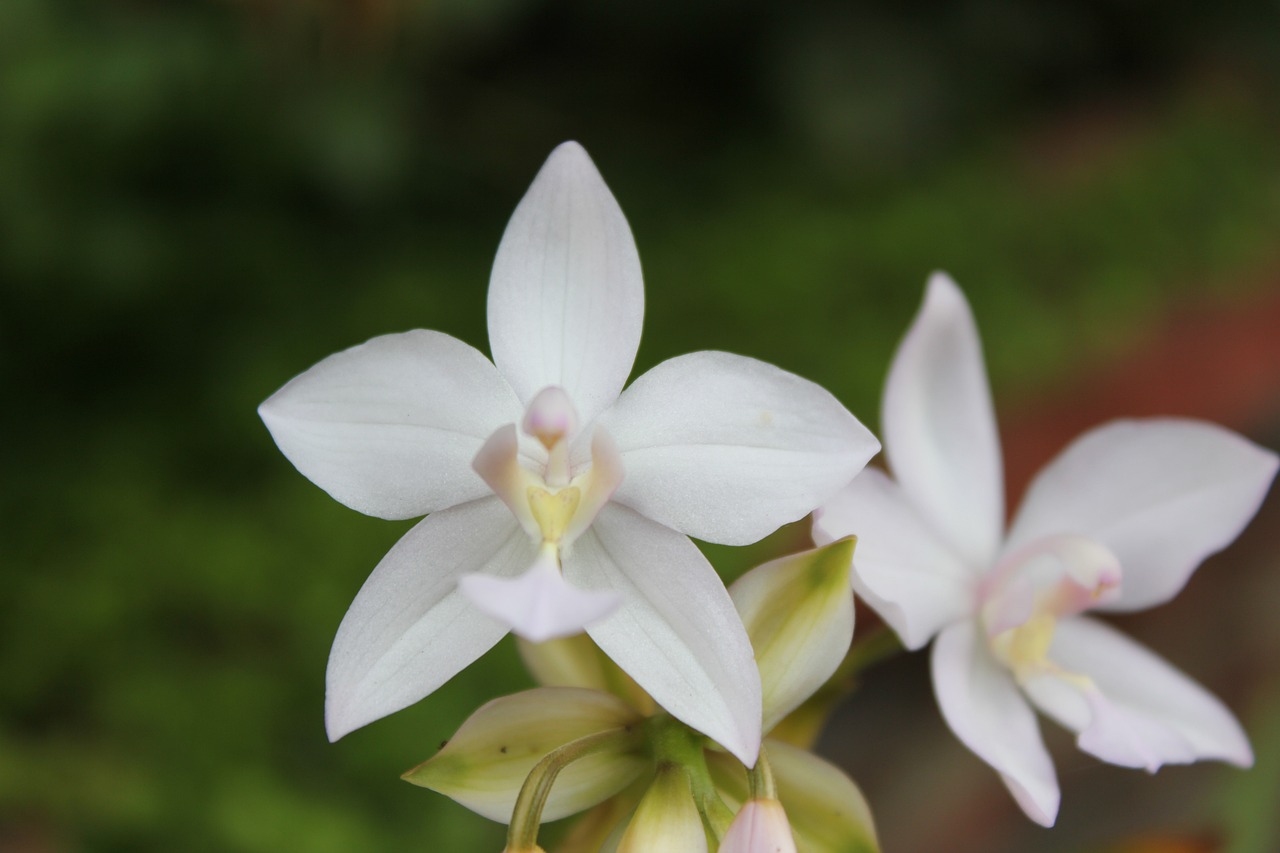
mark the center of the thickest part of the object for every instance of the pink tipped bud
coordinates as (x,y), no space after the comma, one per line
(761,826)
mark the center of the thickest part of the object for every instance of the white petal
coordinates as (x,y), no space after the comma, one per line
(983,706)
(409,629)
(677,633)
(390,427)
(728,449)
(1152,715)
(939,427)
(566,298)
(1162,494)
(538,605)
(900,566)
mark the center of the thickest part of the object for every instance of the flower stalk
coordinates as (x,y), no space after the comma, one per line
(526,818)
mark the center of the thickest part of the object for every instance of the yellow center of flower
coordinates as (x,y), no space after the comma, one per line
(553,511)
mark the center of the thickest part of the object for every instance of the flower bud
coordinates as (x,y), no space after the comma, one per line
(667,818)
(798,612)
(760,826)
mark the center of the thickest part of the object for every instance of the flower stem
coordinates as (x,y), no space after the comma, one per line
(760,779)
(675,743)
(527,815)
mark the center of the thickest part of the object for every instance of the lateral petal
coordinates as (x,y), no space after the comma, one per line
(939,425)
(390,427)
(1162,494)
(484,765)
(566,297)
(409,629)
(727,449)
(1141,712)
(901,567)
(676,633)
(983,706)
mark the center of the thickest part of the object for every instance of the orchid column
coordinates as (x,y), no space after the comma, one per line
(555,500)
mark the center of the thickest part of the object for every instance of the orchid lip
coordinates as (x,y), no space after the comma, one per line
(554,508)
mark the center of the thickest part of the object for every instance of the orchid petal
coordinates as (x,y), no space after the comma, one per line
(676,633)
(566,297)
(939,425)
(728,449)
(798,612)
(389,427)
(409,630)
(1135,709)
(901,567)
(484,765)
(498,464)
(983,706)
(1161,494)
(538,605)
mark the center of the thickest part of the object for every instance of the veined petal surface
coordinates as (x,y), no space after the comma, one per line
(939,425)
(390,427)
(727,448)
(984,707)
(1161,494)
(1167,718)
(676,632)
(566,297)
(410,629)
(900,566)
(484,765)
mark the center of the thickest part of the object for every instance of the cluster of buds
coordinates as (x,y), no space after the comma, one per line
(591,740)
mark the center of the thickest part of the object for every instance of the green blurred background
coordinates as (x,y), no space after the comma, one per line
(199,200)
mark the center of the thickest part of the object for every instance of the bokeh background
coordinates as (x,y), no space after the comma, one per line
(199,200)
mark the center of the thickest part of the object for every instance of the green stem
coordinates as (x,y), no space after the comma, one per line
(675,743)
(522,835)
(760,779)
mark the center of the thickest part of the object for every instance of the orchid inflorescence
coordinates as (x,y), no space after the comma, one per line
(676,713)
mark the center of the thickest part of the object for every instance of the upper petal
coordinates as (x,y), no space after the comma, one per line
(677,632)
(566,298)
(900,567)
(1150,714)
(983,706)
(939,426)
(409,629)
(390,427)
(728,449)
(1161,494)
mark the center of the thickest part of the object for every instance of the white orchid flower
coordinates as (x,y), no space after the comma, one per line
(1117,522)
(555,500)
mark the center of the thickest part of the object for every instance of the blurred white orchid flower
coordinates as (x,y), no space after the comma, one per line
(580,516)
(1118,521)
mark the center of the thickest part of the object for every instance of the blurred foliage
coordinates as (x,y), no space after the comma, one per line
(199,200)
